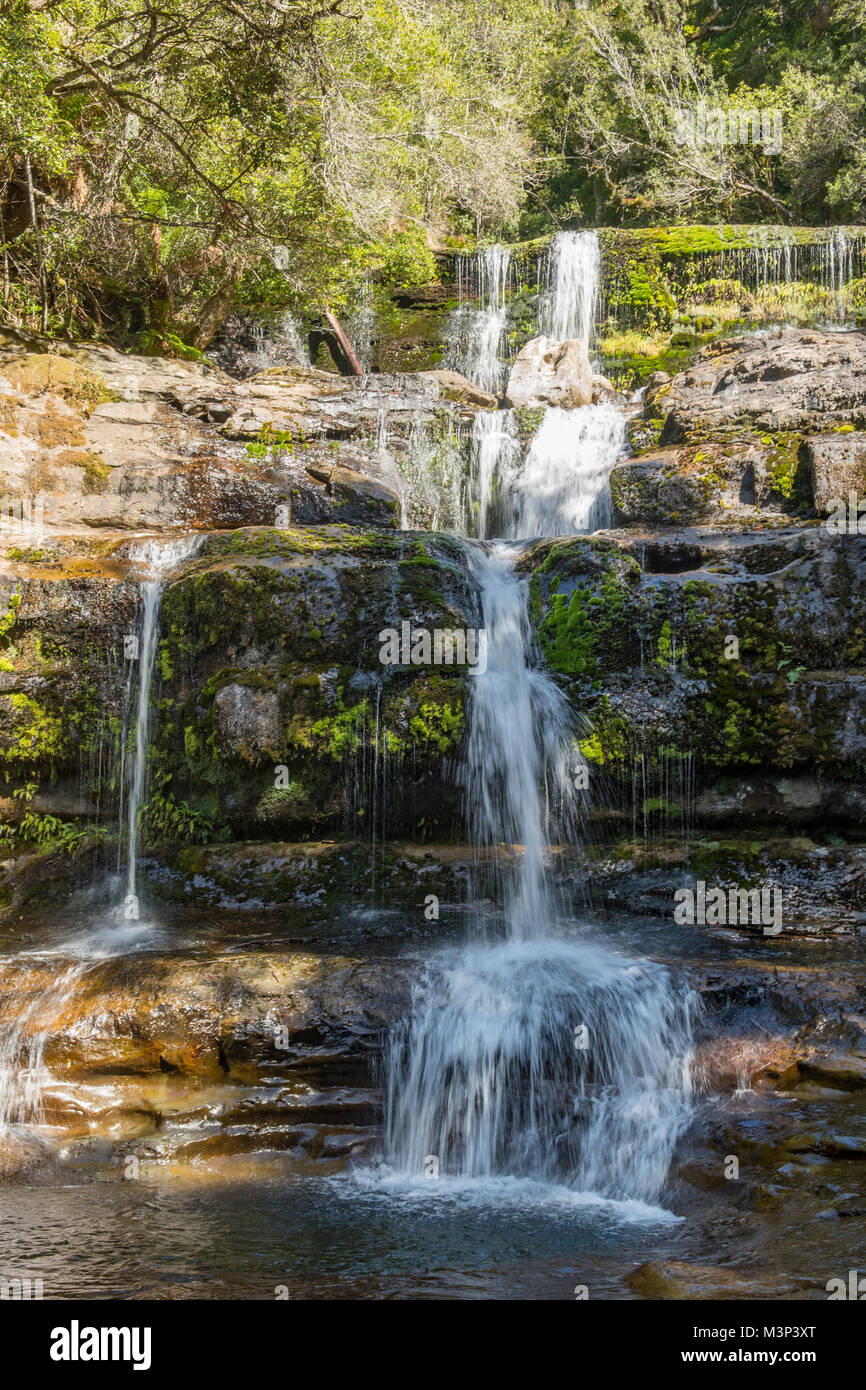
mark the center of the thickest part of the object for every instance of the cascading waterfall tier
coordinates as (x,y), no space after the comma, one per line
(496,458)
(571,270)
(519,741)
(536,1053)
(558,485)
(549,1060)
(530,1054)
(562,486)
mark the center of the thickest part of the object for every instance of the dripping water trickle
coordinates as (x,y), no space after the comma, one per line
(26,1028)
(157,559)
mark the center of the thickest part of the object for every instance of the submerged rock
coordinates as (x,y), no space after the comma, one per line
(676,1279)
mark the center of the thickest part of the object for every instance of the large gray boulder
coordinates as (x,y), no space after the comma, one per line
(791,380)
(546,372)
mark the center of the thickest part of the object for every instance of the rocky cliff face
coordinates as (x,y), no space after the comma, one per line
(111,441)
(733,658)
(762,424)
(714,637)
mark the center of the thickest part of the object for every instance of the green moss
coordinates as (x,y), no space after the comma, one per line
(610,742)
(568,638)
(31,555)
(437,726)
(342,733)
(38,732)
(10,617)
(74,380)
(659,805)
(786,466)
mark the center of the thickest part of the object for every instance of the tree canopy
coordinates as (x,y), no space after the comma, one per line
(164,160)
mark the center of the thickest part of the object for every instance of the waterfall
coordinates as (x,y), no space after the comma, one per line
(559,486)
(519,739)
(552,1061)
(361,327)
(572,273)
(839,269)
(562,486)
(529,1054)
(158,559)
(476,331)
(245,346)
(533,1053)
(27,1025)
(496,458)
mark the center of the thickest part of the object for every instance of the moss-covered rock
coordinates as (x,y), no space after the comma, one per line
(709,653)
(740,480)
(62,686)
(276,707)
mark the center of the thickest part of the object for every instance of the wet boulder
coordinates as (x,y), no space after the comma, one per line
(455,387)
(357,499)
(116,442)
(547,372)
(689,483)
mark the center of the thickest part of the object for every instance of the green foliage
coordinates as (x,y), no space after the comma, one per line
(176,160)
(168,164)
(165,818)
(45,830)
(617,71)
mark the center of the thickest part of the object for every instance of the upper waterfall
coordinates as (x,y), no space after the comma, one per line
(572,272)
(558,483)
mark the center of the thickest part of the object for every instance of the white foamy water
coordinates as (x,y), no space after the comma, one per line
(562,487)
(496,458)
(487,1075)
(519,742)
(25,1031)
(476,331)
(572,269)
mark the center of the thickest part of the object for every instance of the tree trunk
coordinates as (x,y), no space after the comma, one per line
(214,312)
(43,283)
(349,366)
